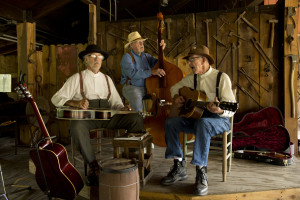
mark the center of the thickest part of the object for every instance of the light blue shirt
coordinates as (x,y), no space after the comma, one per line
(137,71)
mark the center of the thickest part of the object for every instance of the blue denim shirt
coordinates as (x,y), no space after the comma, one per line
(137,71)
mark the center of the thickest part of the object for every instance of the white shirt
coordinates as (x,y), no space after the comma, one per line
(206,83)
(94,87)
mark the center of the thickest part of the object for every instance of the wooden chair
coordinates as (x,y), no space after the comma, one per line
(96,137)
(221,142)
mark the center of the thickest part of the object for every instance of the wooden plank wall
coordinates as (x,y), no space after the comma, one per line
(190,29)
(291,49)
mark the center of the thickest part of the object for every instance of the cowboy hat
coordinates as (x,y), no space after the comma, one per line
(92,49)
(134,36)
(202,51)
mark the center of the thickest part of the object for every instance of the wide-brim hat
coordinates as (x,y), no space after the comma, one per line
(134,36)
(201,50)
(92,49)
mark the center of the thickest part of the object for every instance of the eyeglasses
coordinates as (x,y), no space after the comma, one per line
(96,56)
(193,59)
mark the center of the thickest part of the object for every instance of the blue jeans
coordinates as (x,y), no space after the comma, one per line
(134,95)
(203,129)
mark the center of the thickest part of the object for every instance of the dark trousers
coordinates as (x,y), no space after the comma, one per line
(80,130)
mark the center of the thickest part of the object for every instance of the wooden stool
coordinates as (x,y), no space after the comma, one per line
(144,162)
(95,136)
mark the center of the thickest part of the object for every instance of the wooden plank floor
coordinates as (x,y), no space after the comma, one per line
(247,179)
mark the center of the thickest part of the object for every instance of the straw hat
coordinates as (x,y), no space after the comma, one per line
(92,49)
(202,51)
(134,36)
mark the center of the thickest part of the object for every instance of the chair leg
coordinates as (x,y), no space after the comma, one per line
(85,168)
(224,165)
(99,137)
(229,152)
(184,144)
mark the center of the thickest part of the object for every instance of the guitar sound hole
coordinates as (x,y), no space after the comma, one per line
(188,104)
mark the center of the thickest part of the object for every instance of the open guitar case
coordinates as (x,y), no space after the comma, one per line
(262,136)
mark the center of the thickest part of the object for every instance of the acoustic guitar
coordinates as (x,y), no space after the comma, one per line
(195,103)
(71,113)
(54,174)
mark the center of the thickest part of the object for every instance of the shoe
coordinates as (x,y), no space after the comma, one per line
(201,184)
(92,180)
(93,174)
(177,173)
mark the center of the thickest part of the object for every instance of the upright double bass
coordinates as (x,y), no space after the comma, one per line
(159,90)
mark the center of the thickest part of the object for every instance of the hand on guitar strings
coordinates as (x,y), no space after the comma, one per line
(127,107)
(213,108)
(179,101)
(83,104)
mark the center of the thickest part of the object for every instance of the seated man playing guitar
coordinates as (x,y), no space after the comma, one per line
(214,120)
(92,89)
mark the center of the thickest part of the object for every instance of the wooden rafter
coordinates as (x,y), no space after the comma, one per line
(43,8)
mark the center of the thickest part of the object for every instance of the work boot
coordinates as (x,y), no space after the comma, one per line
(201,184)
(177,173)
(93,174)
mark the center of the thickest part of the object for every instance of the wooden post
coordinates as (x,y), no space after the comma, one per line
(291,122)
(52,70)
(26,53)
(92,24)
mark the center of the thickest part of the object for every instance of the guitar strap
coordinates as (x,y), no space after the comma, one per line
(81,86)
(217,85)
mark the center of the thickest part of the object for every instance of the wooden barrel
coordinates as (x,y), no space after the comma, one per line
(119,179)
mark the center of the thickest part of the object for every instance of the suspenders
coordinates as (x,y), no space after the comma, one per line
(217,85)
(81,86)
(128,80)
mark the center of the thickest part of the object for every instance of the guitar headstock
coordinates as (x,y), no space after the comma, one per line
(231,106)
(23,92)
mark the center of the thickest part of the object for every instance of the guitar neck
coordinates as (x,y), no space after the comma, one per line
(40,120)
(201,104)
(231,106)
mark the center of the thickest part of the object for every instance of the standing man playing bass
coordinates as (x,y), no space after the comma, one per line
(217,87)
(92,89)
(136,67)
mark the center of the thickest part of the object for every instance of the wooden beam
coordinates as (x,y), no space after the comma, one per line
(11,12)
(8,49)
(291,121)
(26,53)
(255,3)
(46,7)
(87,2)
(92,24)
(174,8)
(292,193)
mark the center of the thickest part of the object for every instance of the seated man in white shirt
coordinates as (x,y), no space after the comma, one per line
(91,88)
(216,86)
